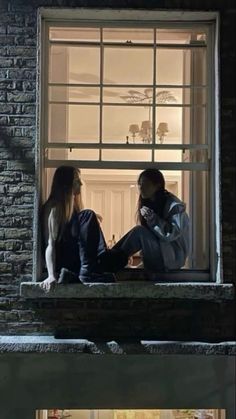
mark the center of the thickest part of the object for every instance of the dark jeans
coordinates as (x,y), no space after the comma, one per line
(140,238)
(85,251)
(90,240)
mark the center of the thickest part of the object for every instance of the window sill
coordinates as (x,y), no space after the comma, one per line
(48,344)
(132,290)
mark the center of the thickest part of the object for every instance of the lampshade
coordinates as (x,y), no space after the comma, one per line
(162,128)
(134,128)
(146,125)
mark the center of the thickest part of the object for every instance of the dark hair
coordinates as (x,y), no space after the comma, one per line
(61,195)
(156,177)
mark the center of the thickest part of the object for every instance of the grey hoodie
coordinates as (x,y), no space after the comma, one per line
(173,232)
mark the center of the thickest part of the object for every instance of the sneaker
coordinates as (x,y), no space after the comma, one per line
(68,277)
(95,277)
(112,260)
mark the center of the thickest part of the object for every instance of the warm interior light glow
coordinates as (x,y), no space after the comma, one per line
(131,414)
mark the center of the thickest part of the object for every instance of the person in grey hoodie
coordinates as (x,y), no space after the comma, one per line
(162,233)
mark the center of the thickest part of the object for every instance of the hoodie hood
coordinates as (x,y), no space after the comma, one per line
(173,202)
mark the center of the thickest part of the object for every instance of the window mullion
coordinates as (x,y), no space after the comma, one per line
(127,146)
(45,102)
(154,98)
(135,165)
(101,91)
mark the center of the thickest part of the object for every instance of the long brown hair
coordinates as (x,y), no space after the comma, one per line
(65,180)
(156,177)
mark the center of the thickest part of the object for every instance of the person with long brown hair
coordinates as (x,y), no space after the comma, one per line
(162,233)
(72,240)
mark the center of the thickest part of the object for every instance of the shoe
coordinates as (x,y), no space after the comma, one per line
(95,277)
(68,277)
(112,260)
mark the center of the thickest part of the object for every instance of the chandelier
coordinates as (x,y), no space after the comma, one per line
(144,131)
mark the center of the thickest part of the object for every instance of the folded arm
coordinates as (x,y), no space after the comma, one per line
(167,230)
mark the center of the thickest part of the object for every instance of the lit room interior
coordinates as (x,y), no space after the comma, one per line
(101,95)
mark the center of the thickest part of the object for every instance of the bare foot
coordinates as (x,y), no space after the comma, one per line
(130,262)
(48,283)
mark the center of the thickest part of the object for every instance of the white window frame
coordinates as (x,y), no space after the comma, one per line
(80,17)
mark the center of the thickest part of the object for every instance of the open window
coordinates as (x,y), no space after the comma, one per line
(119,97)
(131,414)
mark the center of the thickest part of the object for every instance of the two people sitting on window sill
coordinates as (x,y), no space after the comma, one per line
(73,243)
(162,230)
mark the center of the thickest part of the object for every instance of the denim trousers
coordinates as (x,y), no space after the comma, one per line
(142,239)
(91,241)
(84,251)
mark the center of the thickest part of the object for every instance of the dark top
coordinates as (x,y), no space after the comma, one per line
(67,248)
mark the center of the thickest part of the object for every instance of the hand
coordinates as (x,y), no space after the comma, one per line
(146,213)
(48,283)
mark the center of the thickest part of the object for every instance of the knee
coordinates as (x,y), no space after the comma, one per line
(138,230)
(87,214)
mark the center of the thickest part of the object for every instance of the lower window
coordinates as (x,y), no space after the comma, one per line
(131,414)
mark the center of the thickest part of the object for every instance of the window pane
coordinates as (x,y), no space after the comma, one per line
(181,125)
(126,155)
(180,36)
(74,34)
(186,156)
(181,66)
(169,66)
(74,94)
(127,35)
(73,154)
(198,414)
(74,64)
(168,155)
(122,121)
(127,95)
(169,125)
(182,96)
(73,123)
(128,65)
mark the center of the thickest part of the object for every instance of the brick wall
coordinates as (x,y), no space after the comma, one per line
(18,31)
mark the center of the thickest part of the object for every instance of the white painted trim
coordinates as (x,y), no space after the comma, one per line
(126,14)
(148,18)
(40,115)
(118,85)
(139,165)
(130,146)
(216,162)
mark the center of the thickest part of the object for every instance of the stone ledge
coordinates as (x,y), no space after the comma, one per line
(47,344)
(132,290)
